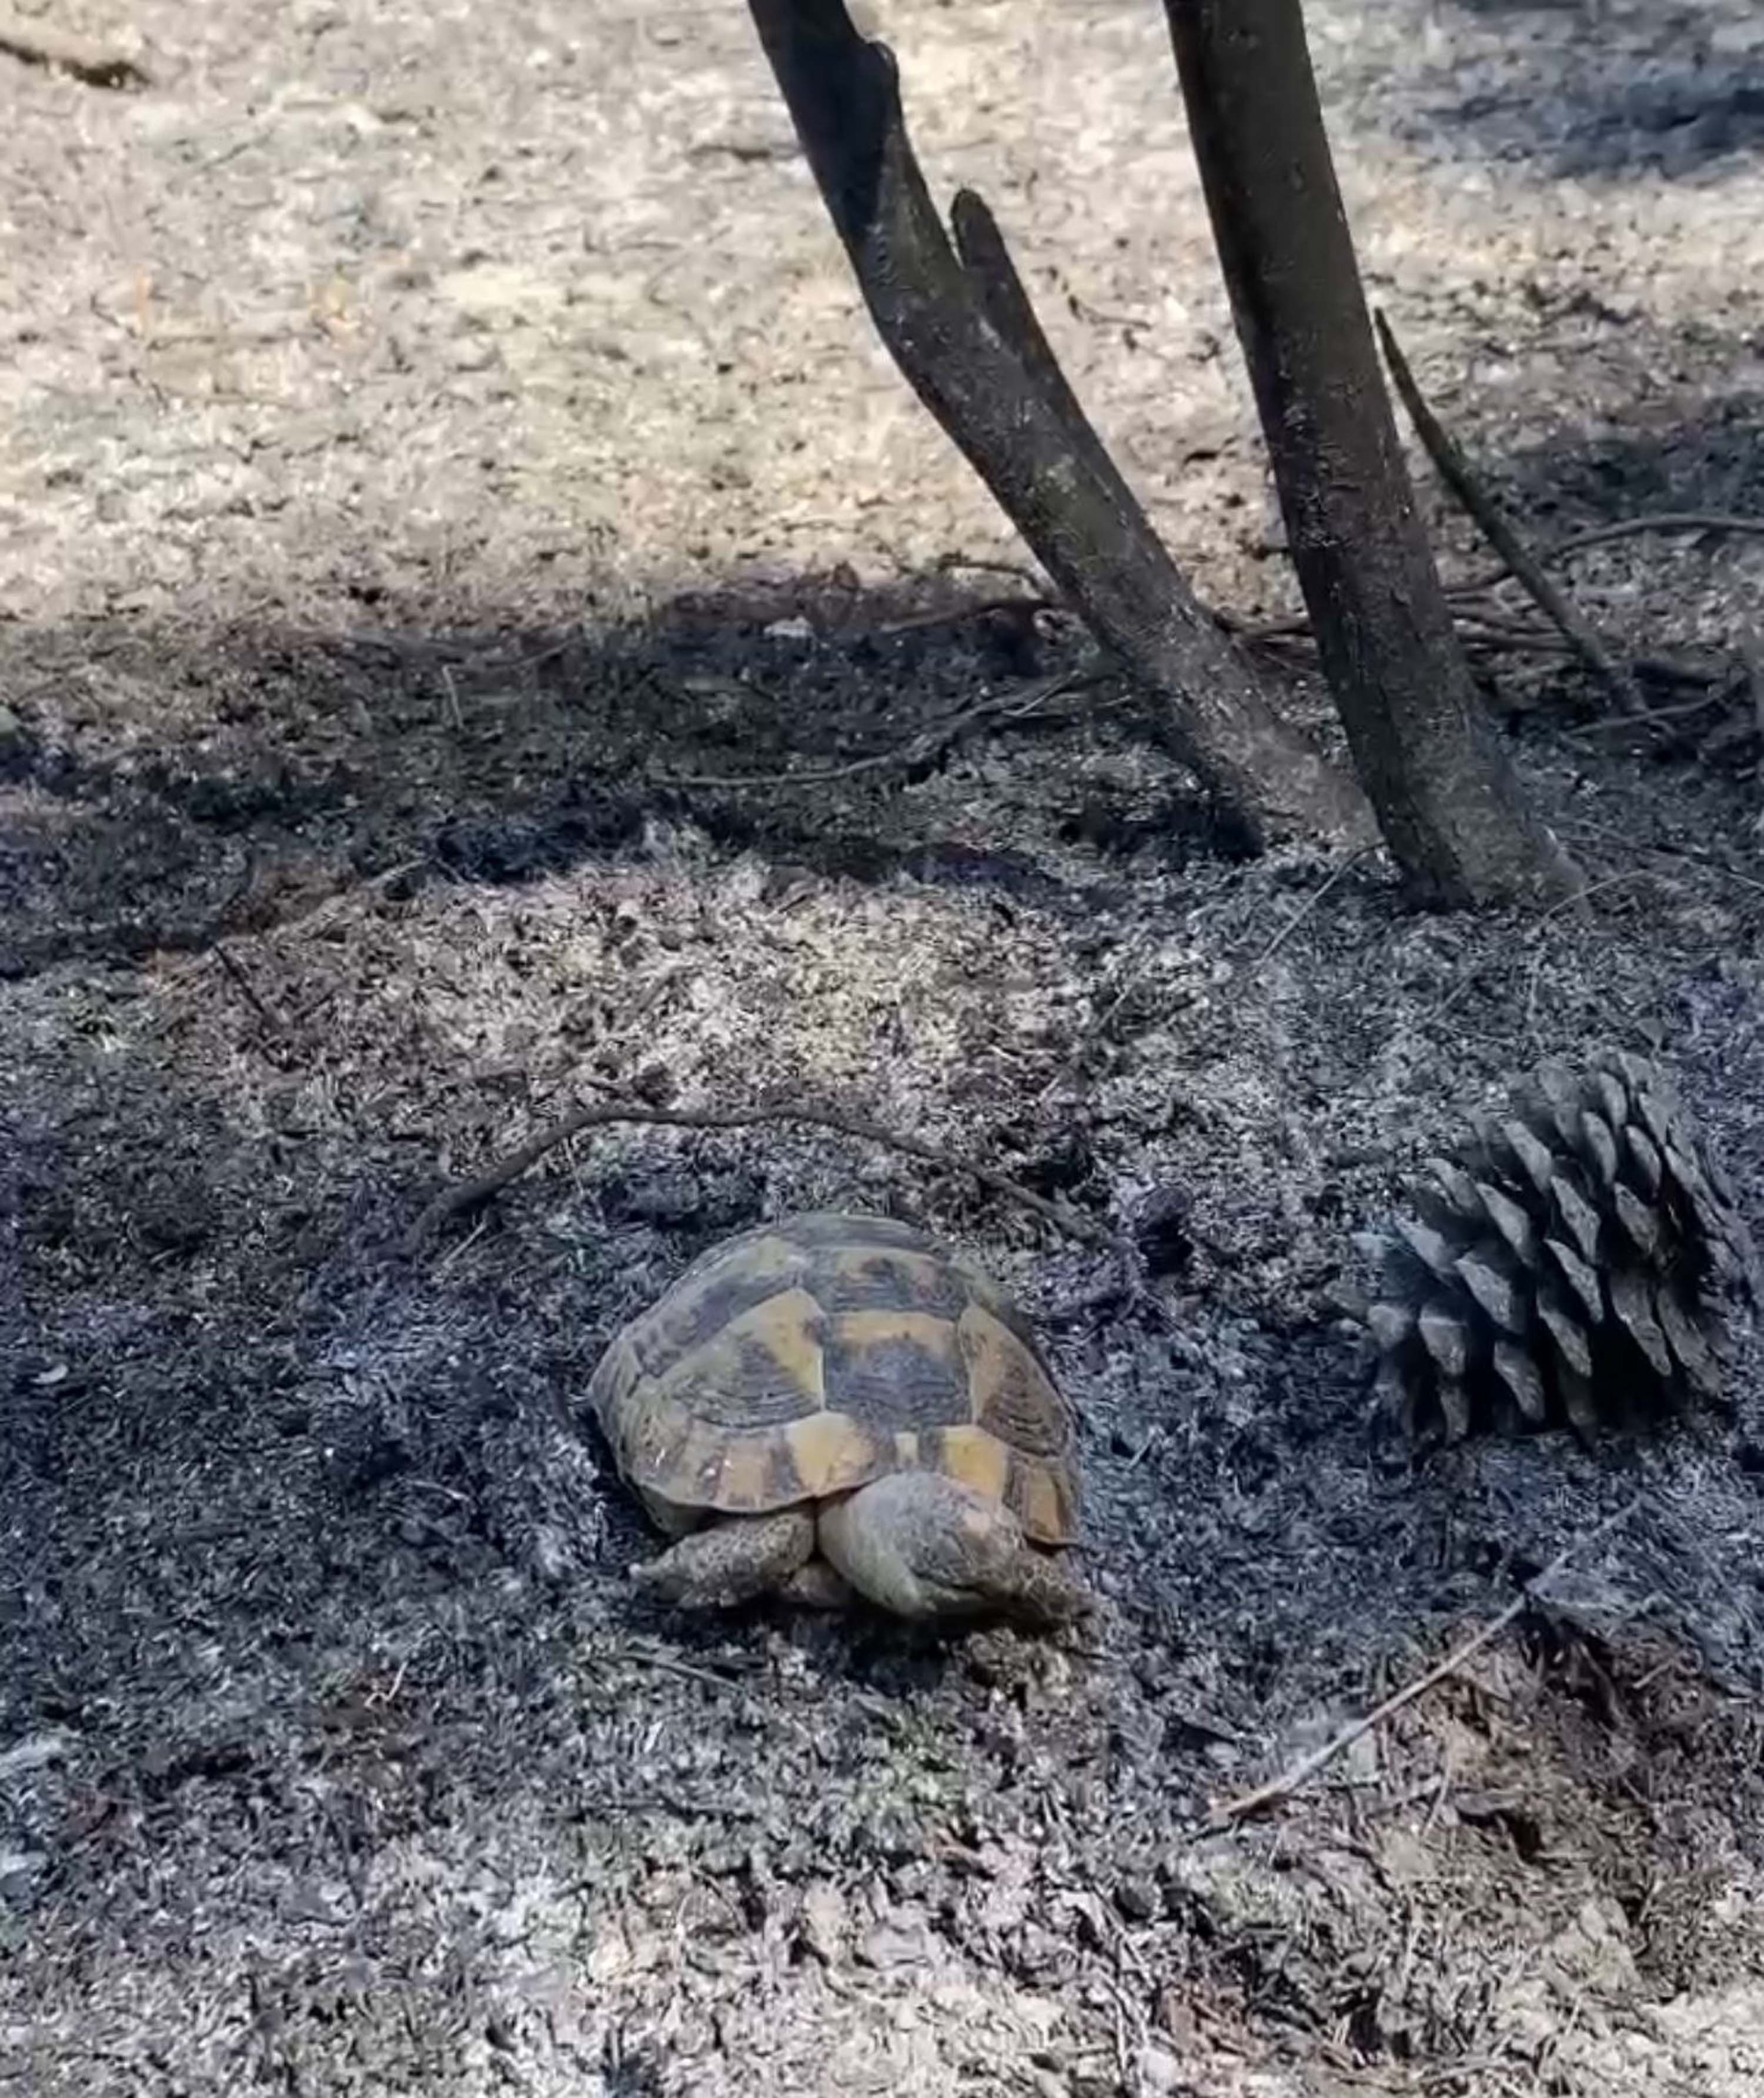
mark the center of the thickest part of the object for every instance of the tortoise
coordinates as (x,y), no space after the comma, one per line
(833,1406)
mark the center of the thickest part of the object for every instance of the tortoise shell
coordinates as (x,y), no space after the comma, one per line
(810,1356)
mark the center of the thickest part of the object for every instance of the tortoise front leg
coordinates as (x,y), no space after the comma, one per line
(733,1559)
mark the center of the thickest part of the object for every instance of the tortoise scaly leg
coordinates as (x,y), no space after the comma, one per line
(733,1559)
(924,1545)
(817,1586)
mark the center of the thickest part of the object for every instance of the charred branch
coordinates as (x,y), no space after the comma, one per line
(1450,807)
(961,329)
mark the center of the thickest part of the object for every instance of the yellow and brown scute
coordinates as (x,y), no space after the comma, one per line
(810,1356)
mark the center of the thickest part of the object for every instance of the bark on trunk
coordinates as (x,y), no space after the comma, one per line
(1450,806)
(964,339)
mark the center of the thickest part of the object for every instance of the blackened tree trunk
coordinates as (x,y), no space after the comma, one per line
(960,328)
(1449,804)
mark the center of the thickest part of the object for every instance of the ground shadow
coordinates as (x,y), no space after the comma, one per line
(312,1600)
(170,787)
(1654,455)
(1584,90)
(166,788)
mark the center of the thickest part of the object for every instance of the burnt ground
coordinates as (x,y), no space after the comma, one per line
(429,439)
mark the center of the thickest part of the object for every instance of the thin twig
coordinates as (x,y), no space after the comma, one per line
(1307,1767)
(1310,904)
(1502,633)
(1661,520)
(462,1247)
(1701,705)
(254,997)
(1577,902)
(1295,626)
(1499,627)
(671,1665)
(313,1006)
(919,749)
(1016,606)
(36,43)
(1454,469)
(1514,644)
(1625,528)
(1535,973)
(1688,853)
(948,563)
(598,1114)
(1497,633)
(648,1657)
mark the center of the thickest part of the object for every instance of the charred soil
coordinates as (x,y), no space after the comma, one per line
(442,455)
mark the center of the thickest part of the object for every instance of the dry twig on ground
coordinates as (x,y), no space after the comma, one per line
(1475,628)
(1706,521)
(1654,716)
(599,1114)
(1455,470)
(1013,606)
(1310,903)
(1307,1767)
(919,749)
(37,43)
(228,961)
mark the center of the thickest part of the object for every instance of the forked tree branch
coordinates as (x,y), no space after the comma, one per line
(1005,302)
(965,340)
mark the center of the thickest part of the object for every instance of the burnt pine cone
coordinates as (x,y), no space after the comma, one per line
(1574,1263)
